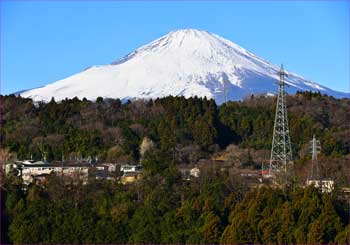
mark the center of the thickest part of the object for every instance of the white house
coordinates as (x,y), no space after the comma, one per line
(31,171)
(131,173)
(326,186)
(130,169)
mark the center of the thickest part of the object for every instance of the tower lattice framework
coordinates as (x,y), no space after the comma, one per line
(315,149)
(281,160)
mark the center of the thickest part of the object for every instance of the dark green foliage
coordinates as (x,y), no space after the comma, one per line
(309,94)
(74,128)
(162,208)
(276,216)
(82,128)
(252,122)
(156,162)
(344,236)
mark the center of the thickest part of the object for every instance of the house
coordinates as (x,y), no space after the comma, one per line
(29,171)
(105,171)
(130,172)
(326,185)
(130,169)
(109,167)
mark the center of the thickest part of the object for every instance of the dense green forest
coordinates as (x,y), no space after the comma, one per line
(162,208)
(113,131)
(218,207)
(187,129)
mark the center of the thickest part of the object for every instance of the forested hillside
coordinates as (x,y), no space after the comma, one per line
(112,130)
(186,129)
(161,207)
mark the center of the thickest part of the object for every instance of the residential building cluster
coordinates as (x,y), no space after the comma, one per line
(31,171)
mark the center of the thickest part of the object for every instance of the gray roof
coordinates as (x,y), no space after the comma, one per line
(57,165)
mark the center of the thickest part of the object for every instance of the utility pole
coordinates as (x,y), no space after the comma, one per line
(281,160)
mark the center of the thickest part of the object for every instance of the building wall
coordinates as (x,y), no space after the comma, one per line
(29,172)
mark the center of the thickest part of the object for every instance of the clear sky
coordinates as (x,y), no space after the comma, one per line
(44,41)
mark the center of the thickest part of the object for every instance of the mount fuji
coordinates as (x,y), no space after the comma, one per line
(186,63)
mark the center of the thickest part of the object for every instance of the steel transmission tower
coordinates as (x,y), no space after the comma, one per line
(225,91)
(315,149)
(281,161)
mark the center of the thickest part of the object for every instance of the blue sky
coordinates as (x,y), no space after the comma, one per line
(44,41)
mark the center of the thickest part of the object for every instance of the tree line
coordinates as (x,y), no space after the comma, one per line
(113,131)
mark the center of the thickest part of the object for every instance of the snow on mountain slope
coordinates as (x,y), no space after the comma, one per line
(186,63)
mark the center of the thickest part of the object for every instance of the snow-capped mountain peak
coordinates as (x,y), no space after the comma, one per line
(186,62)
